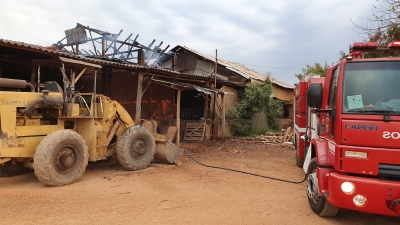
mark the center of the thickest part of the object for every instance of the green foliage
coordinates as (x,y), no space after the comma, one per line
(316,69)
(256,98)
(258,132)
(274,110)
(241,127)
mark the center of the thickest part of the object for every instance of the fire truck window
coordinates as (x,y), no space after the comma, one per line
(332,91)
(332,97)
(372,86)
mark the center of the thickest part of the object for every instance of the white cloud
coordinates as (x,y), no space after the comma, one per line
(286,34)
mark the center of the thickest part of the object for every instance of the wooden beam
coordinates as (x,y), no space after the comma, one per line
(80,74)
(139,98)
(223,115)
(103,47)
(147,86)
(178,117)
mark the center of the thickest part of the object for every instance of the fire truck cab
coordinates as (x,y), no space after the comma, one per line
(347,134)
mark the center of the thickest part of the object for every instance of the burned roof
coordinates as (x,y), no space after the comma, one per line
(182,85)
(56,53)
(236,67)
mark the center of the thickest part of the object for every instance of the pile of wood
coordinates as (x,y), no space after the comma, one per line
(283,137)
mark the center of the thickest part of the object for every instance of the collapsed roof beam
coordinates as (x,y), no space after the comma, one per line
(107,42)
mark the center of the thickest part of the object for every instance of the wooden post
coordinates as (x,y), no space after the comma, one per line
(223,115)
(38,78)
(141,57)
(215,83)
(1,75)
(72,84)
(206,103)
(139,98)
(178,117)
(33,75)
(95,93)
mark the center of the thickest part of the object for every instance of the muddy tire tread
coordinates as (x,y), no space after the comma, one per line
(124,144)
(43,158)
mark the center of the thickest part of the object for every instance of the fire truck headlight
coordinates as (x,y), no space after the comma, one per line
(359,200)
(348,187)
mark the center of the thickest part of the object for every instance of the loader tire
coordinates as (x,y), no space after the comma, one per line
(135,148)
(60,158)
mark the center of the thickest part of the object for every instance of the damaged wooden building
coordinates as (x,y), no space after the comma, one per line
(231,78)
(174,88)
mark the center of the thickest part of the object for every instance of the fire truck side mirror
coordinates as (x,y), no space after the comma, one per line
(314,95)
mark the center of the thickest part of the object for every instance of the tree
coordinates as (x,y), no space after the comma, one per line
(256,98)
(316,69)
(385,17)
(384,38)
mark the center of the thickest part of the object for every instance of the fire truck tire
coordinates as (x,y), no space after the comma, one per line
(135,148)
(60,158)
(318,203)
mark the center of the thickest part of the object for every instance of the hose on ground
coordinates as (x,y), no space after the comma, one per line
(244,172)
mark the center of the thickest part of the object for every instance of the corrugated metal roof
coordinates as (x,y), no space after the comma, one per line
(41,49)
(237,68)
(281,83)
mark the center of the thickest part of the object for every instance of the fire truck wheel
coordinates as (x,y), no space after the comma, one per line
(135,148)
(60,158)
(318,203)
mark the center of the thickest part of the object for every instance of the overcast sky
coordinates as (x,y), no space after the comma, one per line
(280,37)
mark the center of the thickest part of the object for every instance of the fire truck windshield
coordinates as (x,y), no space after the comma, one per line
(371,87)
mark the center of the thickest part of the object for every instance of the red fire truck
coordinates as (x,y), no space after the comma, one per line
(347,133)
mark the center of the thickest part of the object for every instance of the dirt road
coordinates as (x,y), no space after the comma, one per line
(168,194)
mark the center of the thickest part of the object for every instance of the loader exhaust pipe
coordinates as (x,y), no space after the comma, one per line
(13,83)
(44,101)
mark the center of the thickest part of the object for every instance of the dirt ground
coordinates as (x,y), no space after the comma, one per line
(168,194)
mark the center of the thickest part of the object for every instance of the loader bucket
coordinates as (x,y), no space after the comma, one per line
(166,151)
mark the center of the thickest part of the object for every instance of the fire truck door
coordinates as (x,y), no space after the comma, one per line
(332,104)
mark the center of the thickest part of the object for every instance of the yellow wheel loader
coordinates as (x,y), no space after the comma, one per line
(58,131)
